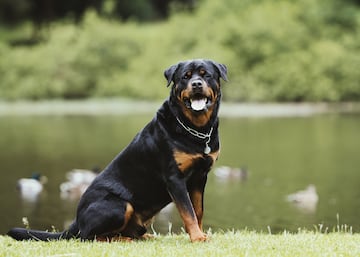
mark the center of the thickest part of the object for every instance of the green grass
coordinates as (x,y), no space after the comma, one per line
(238,243)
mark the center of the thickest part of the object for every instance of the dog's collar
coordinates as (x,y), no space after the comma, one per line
(198,134)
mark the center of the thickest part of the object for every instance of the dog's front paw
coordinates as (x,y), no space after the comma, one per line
(198,237)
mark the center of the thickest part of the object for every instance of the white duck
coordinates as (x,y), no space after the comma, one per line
(230,173)
(30,188)
(306,199)
(77,182)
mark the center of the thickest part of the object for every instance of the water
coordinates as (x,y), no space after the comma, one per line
(282,155)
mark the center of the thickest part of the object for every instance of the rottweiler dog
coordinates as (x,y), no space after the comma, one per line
(168,160)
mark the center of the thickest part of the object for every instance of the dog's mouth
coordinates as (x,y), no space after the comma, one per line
(197,102)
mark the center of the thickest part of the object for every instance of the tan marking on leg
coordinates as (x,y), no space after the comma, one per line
(197,201)
(147,236)
(128,214)
(192,226)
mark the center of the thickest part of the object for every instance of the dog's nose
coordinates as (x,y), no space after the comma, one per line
(197,83)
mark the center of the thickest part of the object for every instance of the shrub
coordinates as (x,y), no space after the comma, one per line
(275,51)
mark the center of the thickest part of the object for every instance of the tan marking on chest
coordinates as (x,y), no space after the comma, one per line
(215,155)
(185,160)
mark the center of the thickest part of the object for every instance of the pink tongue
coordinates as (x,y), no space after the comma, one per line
(198,104)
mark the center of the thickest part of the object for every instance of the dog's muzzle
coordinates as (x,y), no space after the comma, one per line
(199,99)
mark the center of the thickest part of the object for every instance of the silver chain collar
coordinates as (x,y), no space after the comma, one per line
(198,134)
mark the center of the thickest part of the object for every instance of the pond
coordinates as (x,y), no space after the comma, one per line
(281,155)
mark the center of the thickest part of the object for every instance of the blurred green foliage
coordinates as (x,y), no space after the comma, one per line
(280,50)
(41,13)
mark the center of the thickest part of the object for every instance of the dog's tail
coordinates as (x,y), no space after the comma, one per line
(38,235)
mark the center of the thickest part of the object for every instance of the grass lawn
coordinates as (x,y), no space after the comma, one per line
(239,243)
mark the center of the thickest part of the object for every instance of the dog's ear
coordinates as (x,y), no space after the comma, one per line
(170,72)
(221,69)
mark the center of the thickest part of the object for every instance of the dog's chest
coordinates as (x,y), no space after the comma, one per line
(188,161)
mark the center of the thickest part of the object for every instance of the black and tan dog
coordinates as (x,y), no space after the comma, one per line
(168,160)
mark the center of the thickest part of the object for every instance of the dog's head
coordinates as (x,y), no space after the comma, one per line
(196,88)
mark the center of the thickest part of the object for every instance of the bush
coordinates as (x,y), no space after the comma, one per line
(275,51)
(296,52)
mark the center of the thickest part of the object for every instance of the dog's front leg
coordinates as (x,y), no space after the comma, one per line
(178,192)
(196,197)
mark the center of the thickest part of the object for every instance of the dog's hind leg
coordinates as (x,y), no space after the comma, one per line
(104,219)
(135,228)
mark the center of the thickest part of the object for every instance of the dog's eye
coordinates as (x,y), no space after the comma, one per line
(187,75)
(204,74)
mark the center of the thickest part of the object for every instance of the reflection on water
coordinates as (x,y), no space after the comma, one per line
(263,161)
